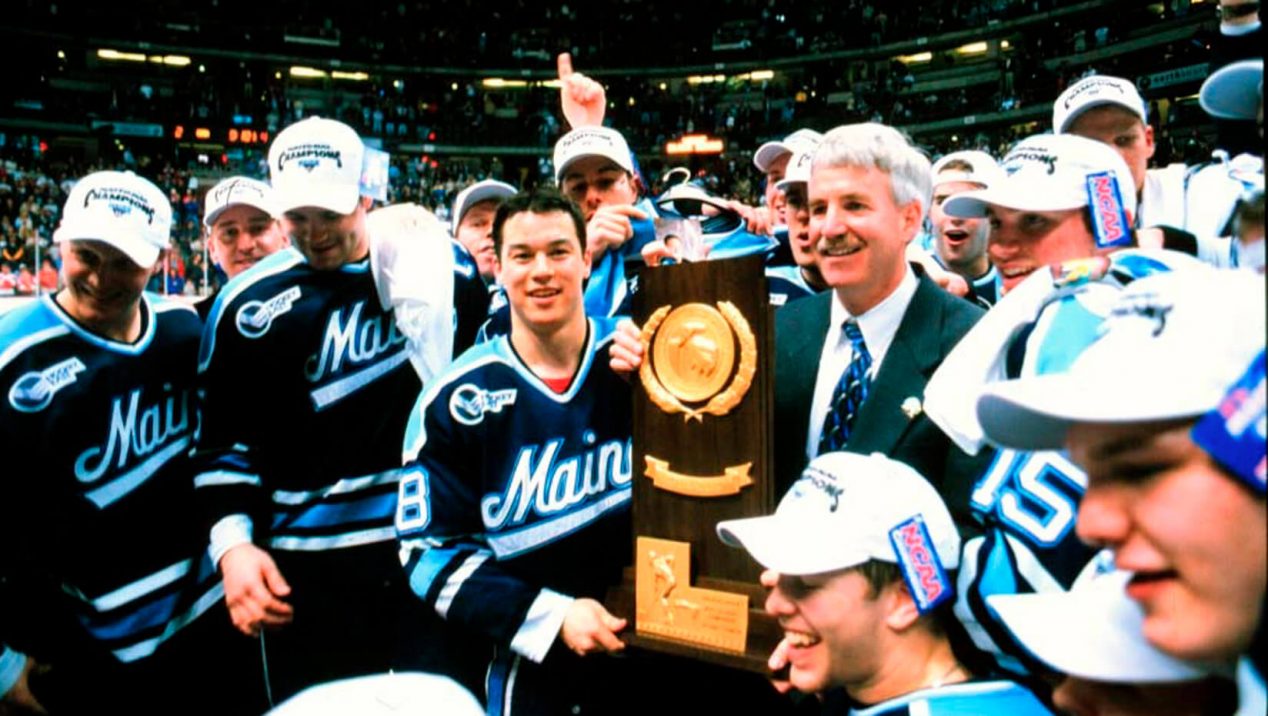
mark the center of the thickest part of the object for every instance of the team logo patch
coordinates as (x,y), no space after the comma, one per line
(926,579)
(34,391)
(1234,433)
(1109,216)
(256,317)
(469,403)
(1147,307)
(1076,272)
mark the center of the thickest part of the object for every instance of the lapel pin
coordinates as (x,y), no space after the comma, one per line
(911,407)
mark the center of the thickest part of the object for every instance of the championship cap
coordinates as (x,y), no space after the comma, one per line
(120,209)
(983,169)
(798,171)
(1235,91)
(476,193)
(236,191)
(1094,631)
(1172,347)
(1096,91)
(793,143)
(591,142)
(316,162)
(1048,172)
(847,509)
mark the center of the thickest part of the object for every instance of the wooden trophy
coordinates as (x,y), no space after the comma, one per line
(702,454)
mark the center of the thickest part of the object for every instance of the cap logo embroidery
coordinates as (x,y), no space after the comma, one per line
(121,201)
(1014,161)
(825,482)
(1093,86)
(926,579)
(1146,306)
(223,193)
(309,156)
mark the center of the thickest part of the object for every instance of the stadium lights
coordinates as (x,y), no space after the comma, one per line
(499,83)
(695,144)
(170,60)
(307,72)
(355,76)
(761,75)
(916,58)
(705,79)
(973,48)
(116,55)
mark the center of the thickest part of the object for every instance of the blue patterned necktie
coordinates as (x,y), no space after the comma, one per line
(848,395)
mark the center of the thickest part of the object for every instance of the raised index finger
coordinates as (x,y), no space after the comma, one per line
(564,63)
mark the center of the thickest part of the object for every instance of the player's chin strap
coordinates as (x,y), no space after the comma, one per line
(411,258)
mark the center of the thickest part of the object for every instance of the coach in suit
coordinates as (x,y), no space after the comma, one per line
(851,364)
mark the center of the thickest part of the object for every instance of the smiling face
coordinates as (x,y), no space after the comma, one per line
(834,625)
(862,233)
(102,285)
(543,268)
(1023,241)
(326,238)
(241,236)
(960,242)
(1196,539)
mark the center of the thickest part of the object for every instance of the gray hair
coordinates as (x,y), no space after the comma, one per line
(872,145)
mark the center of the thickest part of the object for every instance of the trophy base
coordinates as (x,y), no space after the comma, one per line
(764,633)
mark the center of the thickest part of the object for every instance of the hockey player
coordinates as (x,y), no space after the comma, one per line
(104,573)
(802,278)
(241,228)
(513,508)
(858,561)
(472,221)
(1061,240)
(309,375)
(1175,471)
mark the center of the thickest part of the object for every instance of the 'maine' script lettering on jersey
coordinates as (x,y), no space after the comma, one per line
(355,341)
(543,485)
(136,431)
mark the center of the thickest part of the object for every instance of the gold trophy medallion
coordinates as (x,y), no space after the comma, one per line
(692,350)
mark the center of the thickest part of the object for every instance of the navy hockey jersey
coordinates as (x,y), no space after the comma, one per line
(308,388)
(515,499)
(97,494)
(1029,501)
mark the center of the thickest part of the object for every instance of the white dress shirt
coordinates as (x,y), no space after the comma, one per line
(878,327)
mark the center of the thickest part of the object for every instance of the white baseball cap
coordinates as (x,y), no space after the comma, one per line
(797,141)
(983,169)
(845,510)
(233,192)
(591,142)
(798,171)
(120,209)
(1171,346)
(1050,172)
(1096,91)
(1094,631)
(316,162)
(1235,91)
(476,193)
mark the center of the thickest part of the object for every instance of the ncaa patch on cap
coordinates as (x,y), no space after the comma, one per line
(926,579)
(1233,434)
